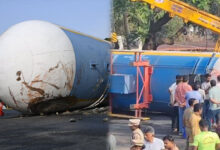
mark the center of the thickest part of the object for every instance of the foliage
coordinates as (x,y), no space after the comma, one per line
(201,4)
(215,7)
(140,18)
(170,29)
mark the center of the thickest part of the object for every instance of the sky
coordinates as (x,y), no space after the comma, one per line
(91,17)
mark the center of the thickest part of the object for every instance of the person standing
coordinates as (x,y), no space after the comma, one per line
(206,86)
(186,119)
(206,140)
(214,95)
(151,142)
(180,93)
(137,138)
(174,104)
(193,94)
(202,92)
(169,143)
(194,122)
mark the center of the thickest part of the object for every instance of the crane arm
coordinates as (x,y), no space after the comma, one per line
(188,13)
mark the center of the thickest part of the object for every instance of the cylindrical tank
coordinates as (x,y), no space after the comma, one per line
(47,68)
(166,65)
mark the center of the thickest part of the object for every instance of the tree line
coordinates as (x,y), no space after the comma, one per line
(134,20)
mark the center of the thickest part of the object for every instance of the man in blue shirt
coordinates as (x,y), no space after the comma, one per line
(194,94)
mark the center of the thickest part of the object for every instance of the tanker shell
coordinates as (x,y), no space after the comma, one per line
(38,68)
(166,65)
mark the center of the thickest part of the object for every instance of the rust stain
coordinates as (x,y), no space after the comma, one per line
(68,72)
(34,89)
(53,85)
(22,90)
(13,97)
(37,91)
(24,101)
(37,77)
(52,68)
(79,75)
(69,75)
(45,76)
(18,73)
(30,93)
(36,100)
(37,94)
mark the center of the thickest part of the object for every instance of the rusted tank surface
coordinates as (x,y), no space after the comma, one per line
(47,68)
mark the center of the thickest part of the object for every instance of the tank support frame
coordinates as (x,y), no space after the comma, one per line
(143,91)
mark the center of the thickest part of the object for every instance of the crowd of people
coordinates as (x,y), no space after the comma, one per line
(196,112)
(195,116)
(144,138)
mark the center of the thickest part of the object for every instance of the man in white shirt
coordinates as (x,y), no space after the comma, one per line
(206,85)
(174,104)
(151,142)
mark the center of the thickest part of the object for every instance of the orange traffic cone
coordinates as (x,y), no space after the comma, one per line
(1,111)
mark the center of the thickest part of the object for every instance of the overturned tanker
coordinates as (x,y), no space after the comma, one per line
(47,68)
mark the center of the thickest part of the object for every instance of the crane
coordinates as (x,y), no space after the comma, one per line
(188,13)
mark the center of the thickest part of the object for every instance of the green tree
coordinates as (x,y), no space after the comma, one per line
(154,27)
(130,19)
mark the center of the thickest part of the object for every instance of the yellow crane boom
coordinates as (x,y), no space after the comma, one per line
(188,13)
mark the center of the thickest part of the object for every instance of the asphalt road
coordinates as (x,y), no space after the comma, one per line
(87,131)
(54,132)
(160,122)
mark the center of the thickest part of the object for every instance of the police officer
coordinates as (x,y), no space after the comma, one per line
(137,137)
